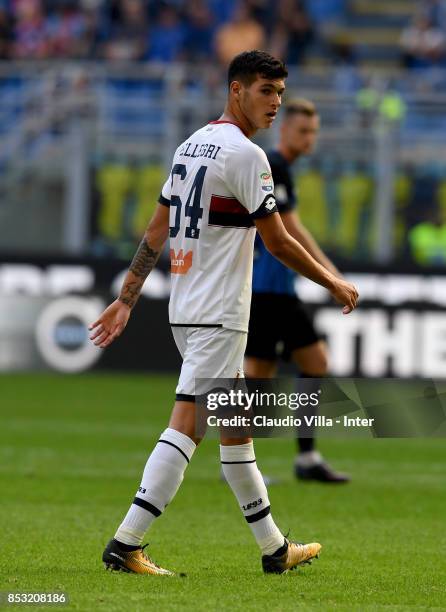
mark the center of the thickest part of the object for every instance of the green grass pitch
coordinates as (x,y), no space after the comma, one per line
(72,450)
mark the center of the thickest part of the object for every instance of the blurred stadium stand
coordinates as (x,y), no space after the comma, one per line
(85,143)
(85,148)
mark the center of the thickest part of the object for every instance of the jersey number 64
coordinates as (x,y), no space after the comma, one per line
(193,208)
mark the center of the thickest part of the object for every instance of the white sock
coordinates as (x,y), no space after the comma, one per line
(161,480)
(243,476)
(309,458)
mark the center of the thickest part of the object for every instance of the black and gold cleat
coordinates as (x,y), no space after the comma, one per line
(320,472)
(290,556)
(133,561)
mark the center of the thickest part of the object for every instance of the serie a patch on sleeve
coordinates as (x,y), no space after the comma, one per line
(266,179)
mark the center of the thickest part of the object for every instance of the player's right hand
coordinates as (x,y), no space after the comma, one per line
(345,293)
(110,324)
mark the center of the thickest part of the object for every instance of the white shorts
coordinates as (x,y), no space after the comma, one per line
(208,352)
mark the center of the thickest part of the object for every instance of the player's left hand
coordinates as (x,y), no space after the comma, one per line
(345,293)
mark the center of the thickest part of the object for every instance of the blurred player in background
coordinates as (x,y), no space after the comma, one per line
(279,325)
(210,206)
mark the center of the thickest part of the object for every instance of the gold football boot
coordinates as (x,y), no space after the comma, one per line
(290,556)
(135,561)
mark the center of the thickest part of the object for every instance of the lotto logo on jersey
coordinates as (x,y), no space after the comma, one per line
(267,181)
(270,203)
(179,263)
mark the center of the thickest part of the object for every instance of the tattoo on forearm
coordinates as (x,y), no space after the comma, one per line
(143,263)
(130,293)
(144,260)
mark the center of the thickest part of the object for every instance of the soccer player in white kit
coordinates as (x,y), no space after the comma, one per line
(218,193)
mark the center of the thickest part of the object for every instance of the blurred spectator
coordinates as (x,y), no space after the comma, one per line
(167,36)
(126,38)
(240,34)
(223,11)
(428,240)
(199,33)
(326,12)
(379,99)
(66,29)
(263,11)
(423,44)
(30,31)
(156,30)
(392,107)
(92,5)
(435,12)
(341,47)
(6,32)
(367,100)
(202,30)
(293,31)
(92,29)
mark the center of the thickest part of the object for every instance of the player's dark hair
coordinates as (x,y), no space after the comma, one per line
(247,66)
(300,106)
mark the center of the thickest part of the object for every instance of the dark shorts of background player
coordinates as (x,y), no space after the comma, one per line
(278,325)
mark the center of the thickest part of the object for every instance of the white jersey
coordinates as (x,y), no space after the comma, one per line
(219,183)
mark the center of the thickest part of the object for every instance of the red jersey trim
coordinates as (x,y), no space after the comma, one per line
(227,205)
